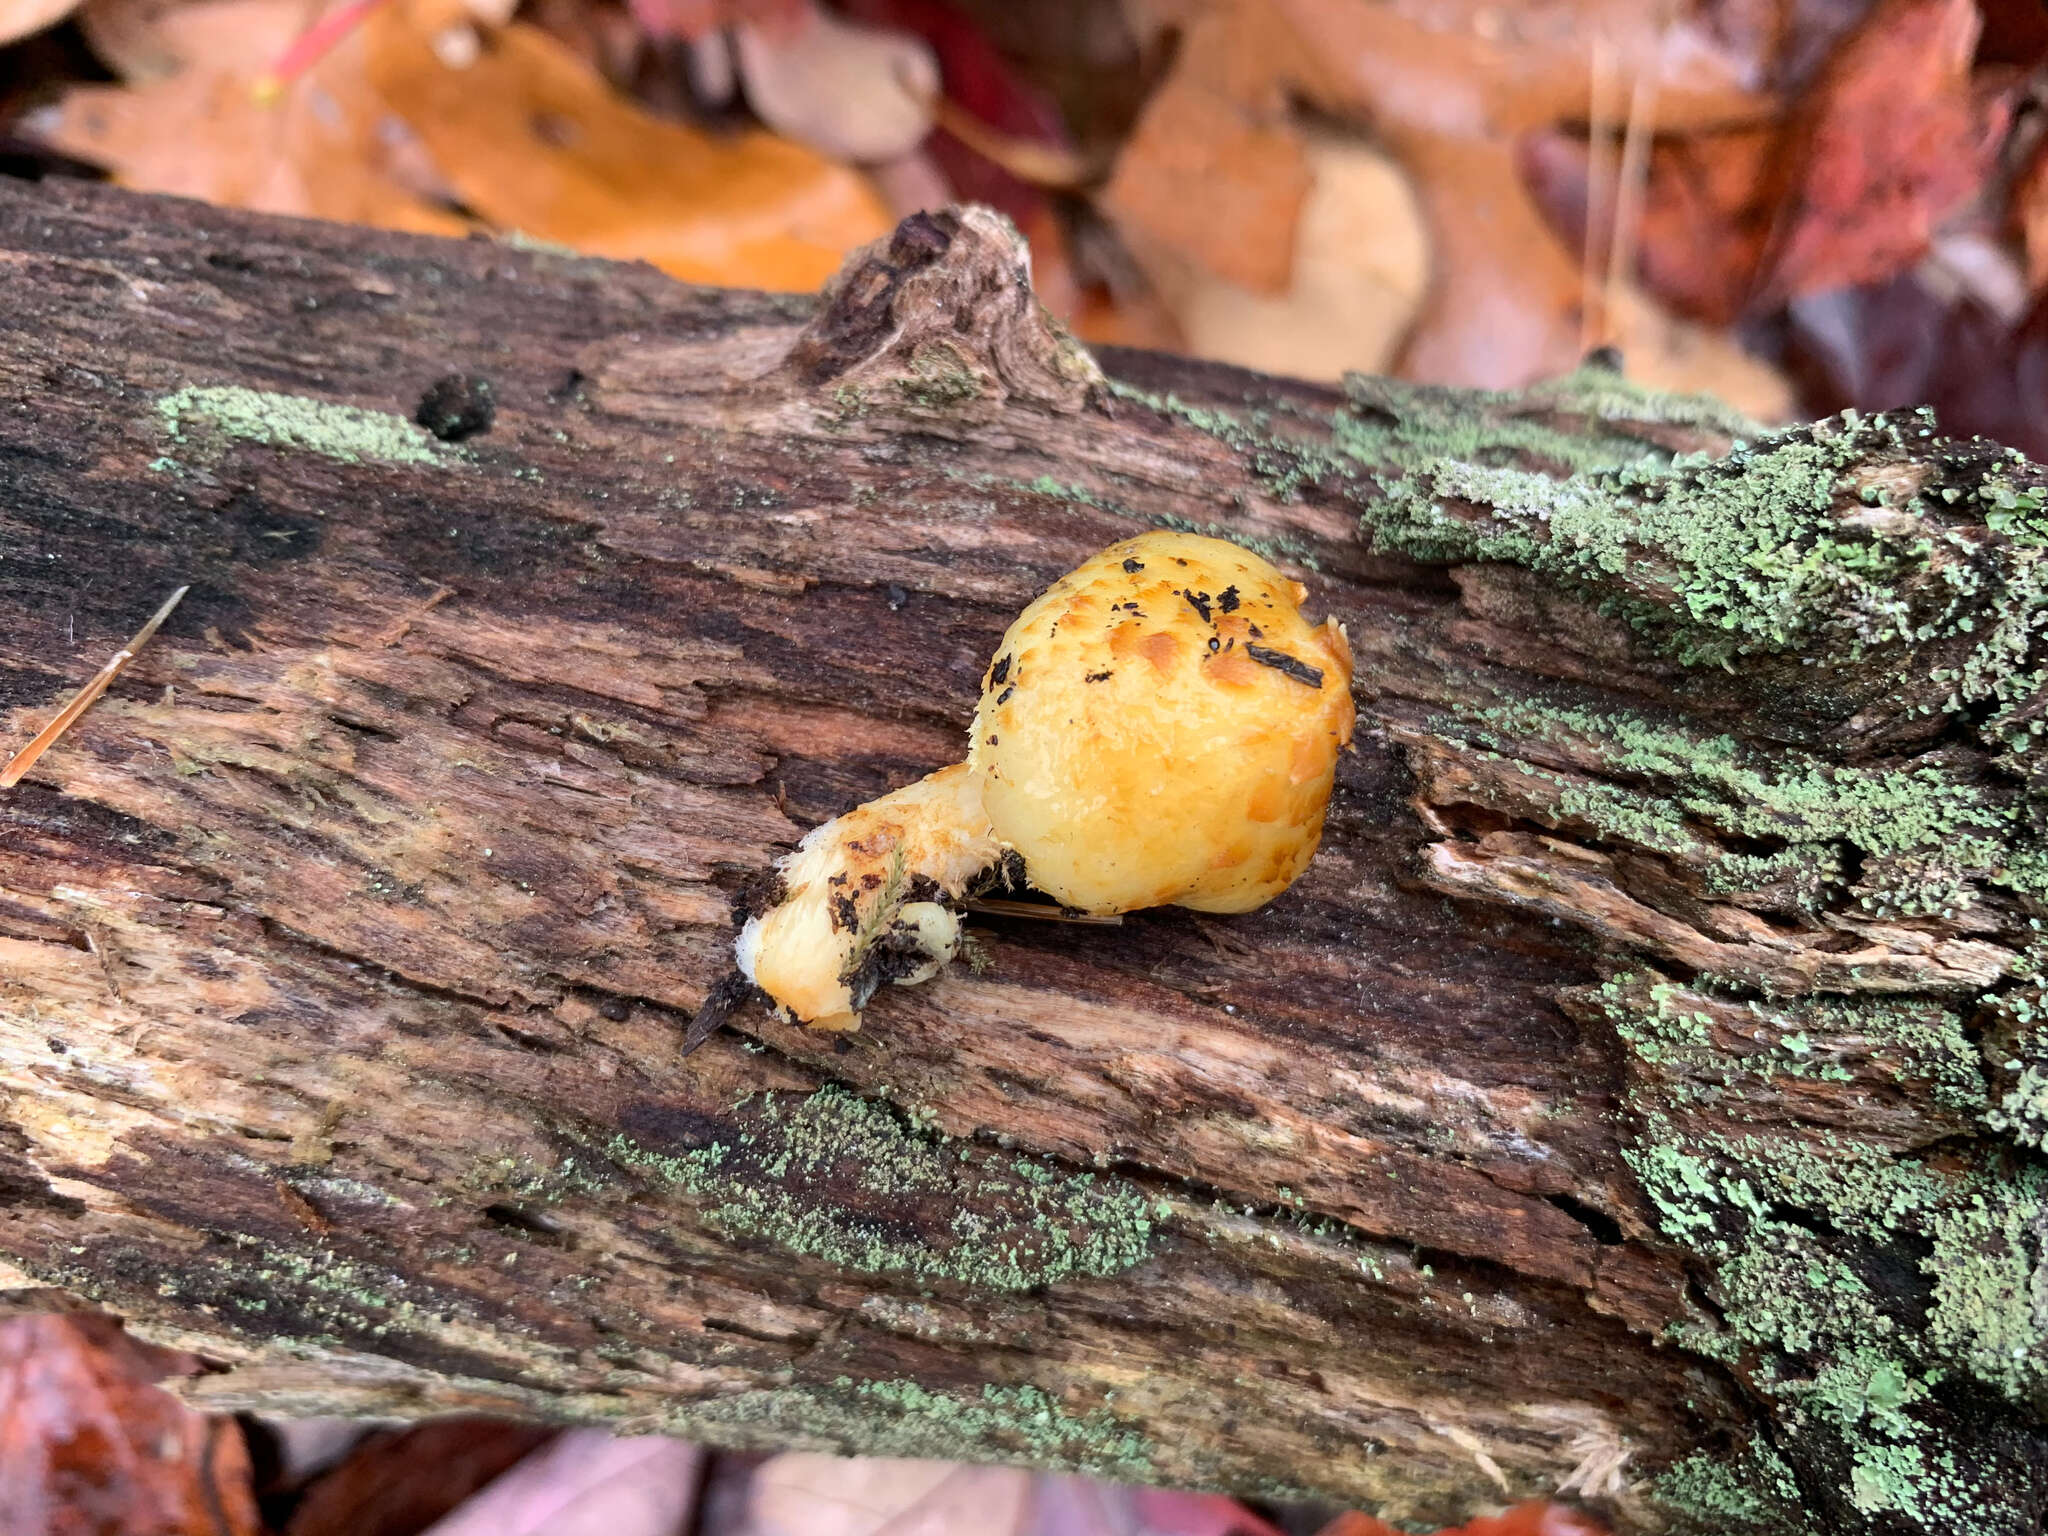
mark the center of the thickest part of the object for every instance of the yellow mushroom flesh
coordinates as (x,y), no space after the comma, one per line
(1160,727)
(864,900)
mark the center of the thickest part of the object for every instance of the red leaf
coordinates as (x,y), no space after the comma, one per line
(90,1446)
(1535,1518)
(1892,138)
(401,1481)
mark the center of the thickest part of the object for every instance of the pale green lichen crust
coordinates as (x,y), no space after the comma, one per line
(904,1418)
(832,1176)
(1879,1297)
(1828,543)
(1924,841)
(344,432)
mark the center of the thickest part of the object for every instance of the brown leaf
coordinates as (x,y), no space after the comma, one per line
(1449,86)
(399,1482)
(1361,266)
(1214,174)
(89,1444)
(1476,69)
(1705,215)
(2030,214)
(1891,138)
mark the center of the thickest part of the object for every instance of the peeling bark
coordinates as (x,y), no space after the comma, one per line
(1639,1099)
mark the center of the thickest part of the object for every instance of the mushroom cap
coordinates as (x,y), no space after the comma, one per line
(1161,727)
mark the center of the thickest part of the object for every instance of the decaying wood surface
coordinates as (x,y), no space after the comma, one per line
(1638,1100)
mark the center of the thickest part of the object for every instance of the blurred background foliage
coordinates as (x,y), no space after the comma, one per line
(1796,204)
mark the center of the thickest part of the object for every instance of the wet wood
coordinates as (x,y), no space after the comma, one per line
(347,944)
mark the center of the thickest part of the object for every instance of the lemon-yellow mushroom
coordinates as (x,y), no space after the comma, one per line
(1160,727)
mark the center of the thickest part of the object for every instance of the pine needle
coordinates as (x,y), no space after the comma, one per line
(1599,210)
(1632,180)
(83,700)
(1037,910)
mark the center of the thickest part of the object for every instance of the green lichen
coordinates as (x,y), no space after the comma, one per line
(1991,1283)
(999,1221)
(2021,1111)
(939,378)
(1826,542)
(904,1418)
(1754,1488)
(344,432)
(1926,839)
(1395,425)
(1877,1294)
(1854,1286)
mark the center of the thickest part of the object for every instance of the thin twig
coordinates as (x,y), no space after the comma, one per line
(82,700)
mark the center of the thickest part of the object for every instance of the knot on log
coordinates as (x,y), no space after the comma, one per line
(938,321)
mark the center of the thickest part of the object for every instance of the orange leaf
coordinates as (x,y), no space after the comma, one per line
(323,150)
(534,140)
(1214,174)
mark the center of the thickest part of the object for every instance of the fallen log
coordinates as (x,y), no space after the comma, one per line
(1640,1100)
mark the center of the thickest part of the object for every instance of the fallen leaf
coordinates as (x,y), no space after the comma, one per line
(587,1483)
(2030,213)
(1449,87)
(398,1482)
(1170,1512)
(533,140)
(327,148)
(1214,174)
(994,126)
(1452,86)
(1668,352)
(851,92)
(1535,1518)
(1705,215)
(2015,32)
(1361,266)
(89,1443)
(798,1494)
(145,40)
(1892,137)
(1883,346)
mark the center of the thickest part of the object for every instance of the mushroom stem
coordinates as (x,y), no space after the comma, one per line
(866,900)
